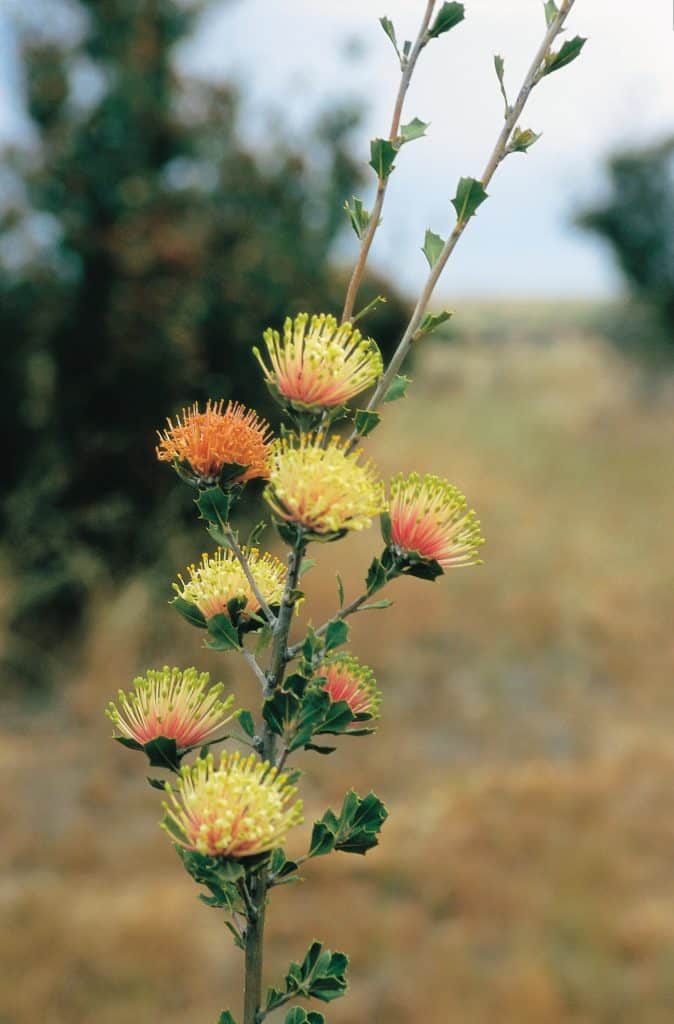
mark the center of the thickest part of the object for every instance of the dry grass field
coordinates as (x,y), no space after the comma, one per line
(526,874)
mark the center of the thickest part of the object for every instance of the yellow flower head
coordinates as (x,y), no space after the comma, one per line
(208,442)
(320,367)
(322,489)
(239,809)
(178,705)
(430,518)
(220,579)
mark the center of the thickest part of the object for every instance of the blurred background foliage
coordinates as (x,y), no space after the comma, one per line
(145,250)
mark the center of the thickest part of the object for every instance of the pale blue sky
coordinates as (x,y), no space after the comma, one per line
(287,55)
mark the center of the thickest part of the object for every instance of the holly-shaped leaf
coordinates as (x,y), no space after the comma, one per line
(223,635)
(567,53)
(190,612)
(336,634)
(469,195)
(397,388)
(355,830)
(365,422)
(415,129)
(382,157)
(449,15)
(432,247)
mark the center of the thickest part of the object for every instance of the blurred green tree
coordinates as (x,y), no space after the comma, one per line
(144,251)
(637,220)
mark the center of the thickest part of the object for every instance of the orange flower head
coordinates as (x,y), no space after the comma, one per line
(319,364)
(222,444)
(431,520)
(347,680)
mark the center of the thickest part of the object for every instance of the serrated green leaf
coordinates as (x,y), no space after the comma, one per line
(365,421)
(432,247)
(551,12)
(424,570)
(336,634)
(499,66)
(523,139)
(431,321)
(449,15)
(226,1017)
(214,506)
(358,215)
(377,605)
(376,577)
(355,830)
(397,389)
(156,783)
(224,636)
(162,753)
(469,195)
(190,612)
(390,31)
(567,53)
(382,157)
(299,1016)
(385,525)
(127,742)
(415,129)
(246,722)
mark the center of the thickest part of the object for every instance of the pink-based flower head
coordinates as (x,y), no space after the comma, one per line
(319,364)
(430,519)
(239,809)
(178,705)
(347,680)
(321,487)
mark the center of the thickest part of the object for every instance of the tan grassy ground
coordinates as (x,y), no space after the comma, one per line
(527,870)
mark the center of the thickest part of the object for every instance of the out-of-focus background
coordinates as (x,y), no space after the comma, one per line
(171,182)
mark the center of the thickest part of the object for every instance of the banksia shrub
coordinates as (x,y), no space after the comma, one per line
(231,818)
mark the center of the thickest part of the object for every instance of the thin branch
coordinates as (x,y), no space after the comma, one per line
(348,609)
(243,562)
(252,661)
(408,66)
(498,153)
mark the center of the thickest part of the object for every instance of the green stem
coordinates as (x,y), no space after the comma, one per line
(252,998)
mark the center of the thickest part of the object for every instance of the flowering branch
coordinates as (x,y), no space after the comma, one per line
(229,820)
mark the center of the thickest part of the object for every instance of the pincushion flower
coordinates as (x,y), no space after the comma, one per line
(319,364)
(239,809)
(430,520)
(178,705)
(347,680)
(229,442)
(219,579)
(324,490)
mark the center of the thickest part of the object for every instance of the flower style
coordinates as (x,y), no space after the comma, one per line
(347,680)
(324,490)
(239,809)
(229,442)
(430,520)
(220,579)
(178,705)
(320,367)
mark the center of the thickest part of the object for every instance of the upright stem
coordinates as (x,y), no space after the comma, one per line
(498,153)
(252,998)
(408,66)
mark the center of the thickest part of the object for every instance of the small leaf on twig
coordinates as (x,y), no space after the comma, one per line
(432,247)
(470,194)
(449,15)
